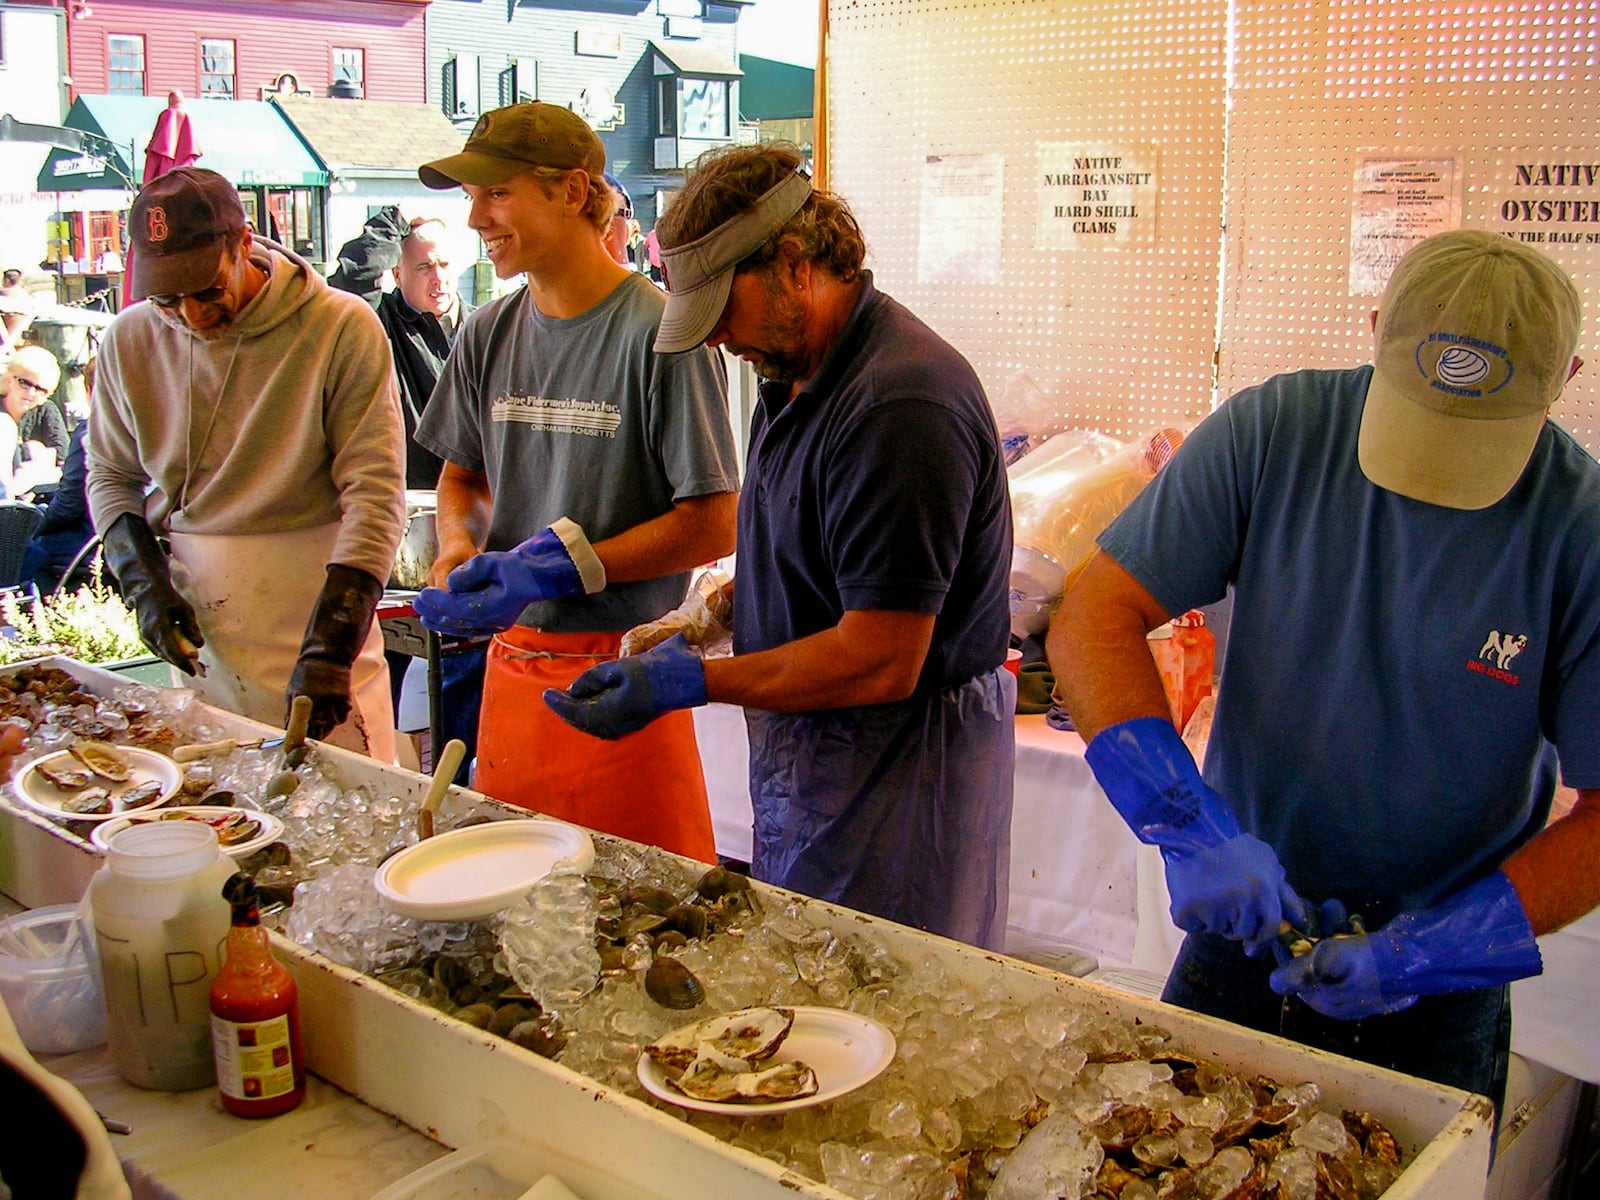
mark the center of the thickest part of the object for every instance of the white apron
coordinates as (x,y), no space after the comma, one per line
(253,595)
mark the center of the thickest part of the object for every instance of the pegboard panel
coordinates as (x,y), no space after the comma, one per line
(1508,94)
(1124,337)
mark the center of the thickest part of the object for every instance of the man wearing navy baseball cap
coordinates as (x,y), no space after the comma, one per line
(246,413)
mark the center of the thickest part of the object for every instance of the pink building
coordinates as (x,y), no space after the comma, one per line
(247,49)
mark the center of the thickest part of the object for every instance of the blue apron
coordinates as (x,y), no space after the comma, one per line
(899,810)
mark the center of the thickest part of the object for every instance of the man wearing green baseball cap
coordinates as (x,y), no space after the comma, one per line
(584,477)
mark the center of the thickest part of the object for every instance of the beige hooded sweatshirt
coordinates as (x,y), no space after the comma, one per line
(288,422)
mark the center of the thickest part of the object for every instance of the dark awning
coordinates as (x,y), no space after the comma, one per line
(248,142)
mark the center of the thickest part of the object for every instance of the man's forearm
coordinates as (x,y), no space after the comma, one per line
(1098,650)
(1557,874)
(692,533)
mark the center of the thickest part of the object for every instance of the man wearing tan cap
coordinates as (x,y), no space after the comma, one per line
(870,614)
(1412,654)
(246,414)
(584,477)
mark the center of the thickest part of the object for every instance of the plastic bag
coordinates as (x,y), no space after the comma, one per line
(1026,417)
(1062,499)
(705,618)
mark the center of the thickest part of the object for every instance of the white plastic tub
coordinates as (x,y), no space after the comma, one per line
(463,1086)
(48,979)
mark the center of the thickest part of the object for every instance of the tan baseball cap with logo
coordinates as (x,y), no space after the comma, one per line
(1475,339)
(507,141)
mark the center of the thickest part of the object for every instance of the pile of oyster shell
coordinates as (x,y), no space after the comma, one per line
(101,783)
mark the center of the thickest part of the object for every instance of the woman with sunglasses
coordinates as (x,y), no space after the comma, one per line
(30,378)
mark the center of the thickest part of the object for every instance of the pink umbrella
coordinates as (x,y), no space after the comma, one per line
(172,144)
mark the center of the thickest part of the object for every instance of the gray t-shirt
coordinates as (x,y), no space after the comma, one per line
(580,418)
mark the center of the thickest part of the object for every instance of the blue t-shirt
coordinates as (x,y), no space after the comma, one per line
(1399,677)
(880,486)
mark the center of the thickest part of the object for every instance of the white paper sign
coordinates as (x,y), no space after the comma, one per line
(1094,196)
(1398,202)
(963,198)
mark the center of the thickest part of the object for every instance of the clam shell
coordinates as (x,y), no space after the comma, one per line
(104,760)
(672,985)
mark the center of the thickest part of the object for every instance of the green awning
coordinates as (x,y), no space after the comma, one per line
(248,142)
(775,91)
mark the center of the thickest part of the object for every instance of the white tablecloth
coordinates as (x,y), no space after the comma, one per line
(1081,881)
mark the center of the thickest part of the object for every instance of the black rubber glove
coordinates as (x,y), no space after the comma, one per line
(166,621)
(338,630)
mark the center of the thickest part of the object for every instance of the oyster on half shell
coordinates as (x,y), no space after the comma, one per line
(709,1079)
(90,802)
(750,1035)
(62,777)
(104,760)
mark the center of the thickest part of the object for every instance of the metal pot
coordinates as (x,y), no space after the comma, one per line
(418,548)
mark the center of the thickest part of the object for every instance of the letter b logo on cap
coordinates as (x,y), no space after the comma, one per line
(157,223)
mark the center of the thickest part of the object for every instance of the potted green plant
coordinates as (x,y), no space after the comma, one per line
(89,623)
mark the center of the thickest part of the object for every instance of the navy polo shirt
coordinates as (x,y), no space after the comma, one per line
(881,485)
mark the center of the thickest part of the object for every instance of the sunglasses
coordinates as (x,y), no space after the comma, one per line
(625,214)
(209,296)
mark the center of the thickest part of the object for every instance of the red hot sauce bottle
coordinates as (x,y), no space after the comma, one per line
(255,1016)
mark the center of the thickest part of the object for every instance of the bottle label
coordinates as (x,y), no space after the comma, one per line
(253,1057)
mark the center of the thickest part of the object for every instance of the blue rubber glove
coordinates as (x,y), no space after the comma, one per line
(618,698)
(1476,938)
(1222,880)
(487,593)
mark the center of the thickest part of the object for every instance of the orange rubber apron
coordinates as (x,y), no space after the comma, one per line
(253,595)
(648,786)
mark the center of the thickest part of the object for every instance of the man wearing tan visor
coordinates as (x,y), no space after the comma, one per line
(584,477)
(870,613)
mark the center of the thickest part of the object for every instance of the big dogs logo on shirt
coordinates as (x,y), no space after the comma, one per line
(586,418)
(1495,657)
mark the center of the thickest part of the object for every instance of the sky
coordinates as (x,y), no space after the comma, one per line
(785,30)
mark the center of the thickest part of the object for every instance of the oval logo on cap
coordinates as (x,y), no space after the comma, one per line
(1462,366)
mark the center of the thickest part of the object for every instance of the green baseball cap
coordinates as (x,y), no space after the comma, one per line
(507,141)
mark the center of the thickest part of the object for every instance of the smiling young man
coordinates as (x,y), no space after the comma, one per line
(246,413)
(584,477)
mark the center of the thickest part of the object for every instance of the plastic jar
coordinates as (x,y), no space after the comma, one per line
(160,924)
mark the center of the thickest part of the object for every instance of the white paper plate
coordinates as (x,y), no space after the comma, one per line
(846,1050)
(473,873)
(143,766)
(271,827)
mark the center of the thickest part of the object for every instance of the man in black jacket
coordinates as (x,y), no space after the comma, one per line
(421,317)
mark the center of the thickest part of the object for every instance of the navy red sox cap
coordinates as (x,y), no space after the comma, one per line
(177,227)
